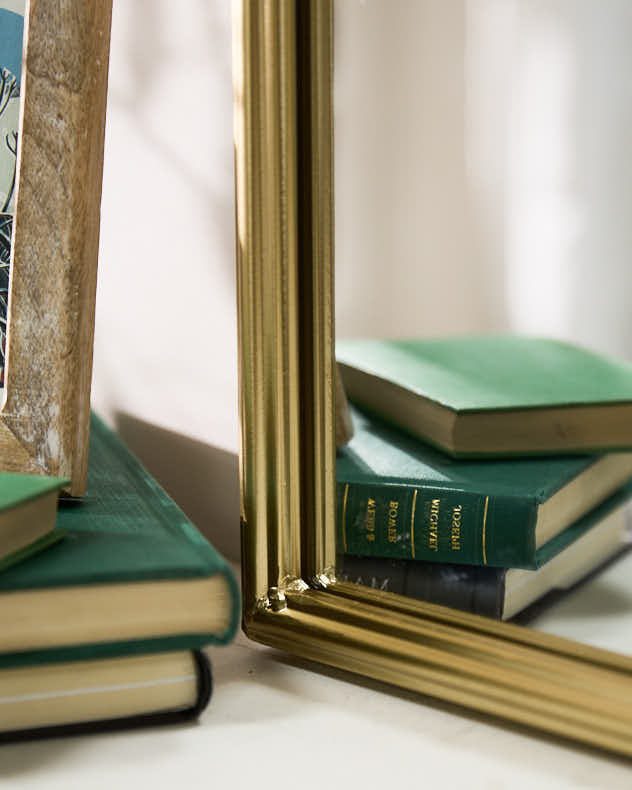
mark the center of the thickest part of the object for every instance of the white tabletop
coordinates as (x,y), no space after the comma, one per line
(273,721)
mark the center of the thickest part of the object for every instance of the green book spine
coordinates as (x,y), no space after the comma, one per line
(399,521)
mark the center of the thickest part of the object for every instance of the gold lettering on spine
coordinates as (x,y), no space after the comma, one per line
(370,520)
(392,521)
(484,525)
(455,531)
(433,525)
(412,527)
(344,518)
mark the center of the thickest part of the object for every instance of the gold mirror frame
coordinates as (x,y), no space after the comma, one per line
(292,601)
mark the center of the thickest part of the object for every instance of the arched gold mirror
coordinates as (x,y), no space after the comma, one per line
(455,124)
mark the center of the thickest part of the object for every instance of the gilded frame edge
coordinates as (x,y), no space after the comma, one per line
(44,421)
(291,599)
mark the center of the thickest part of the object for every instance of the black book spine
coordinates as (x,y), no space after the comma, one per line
(471,588)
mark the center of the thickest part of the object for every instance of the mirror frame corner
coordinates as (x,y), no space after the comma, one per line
(291,599)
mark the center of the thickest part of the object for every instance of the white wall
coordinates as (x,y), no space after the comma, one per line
(492,190)
(165,347)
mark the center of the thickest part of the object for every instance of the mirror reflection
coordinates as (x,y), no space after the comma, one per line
(483,241)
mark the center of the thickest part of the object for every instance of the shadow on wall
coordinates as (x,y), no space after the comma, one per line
(202,479)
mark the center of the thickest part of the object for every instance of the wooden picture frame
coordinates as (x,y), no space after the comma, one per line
(45,416)
(291,598)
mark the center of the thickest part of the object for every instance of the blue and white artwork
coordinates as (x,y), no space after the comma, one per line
(11,45)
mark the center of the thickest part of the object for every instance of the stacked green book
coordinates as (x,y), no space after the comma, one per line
(467,523)
(106,627)
(28,508)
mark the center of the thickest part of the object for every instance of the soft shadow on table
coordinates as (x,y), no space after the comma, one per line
(261,686)
(30,757)
(202,479)
(470,718)
(25,758)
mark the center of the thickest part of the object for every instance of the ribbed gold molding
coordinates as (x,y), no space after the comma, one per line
(543,682)
(315,234)
(283,133)
(267,292)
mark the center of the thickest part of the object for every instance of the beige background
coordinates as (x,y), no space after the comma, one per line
(492,189)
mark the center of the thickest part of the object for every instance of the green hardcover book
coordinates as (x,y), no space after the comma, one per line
(566,560)
(494,396)
(132,574)
(28,507)
(401,499)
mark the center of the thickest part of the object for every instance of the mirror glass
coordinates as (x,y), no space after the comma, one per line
(483,186)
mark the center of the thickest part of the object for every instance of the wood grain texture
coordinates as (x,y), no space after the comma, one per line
(45,419)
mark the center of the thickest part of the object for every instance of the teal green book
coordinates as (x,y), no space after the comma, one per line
(494,395)
(28,507)
(398,498)
(18,489)
(565,561)
(132,575)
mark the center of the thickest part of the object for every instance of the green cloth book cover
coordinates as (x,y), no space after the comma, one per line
(485,373)
(126,529)
(27,516)
(491,591)
(494,396)
(401,499)
(18,489)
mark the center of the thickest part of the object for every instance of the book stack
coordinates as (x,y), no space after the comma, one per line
(28,507)
(485,472)
(104,628)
